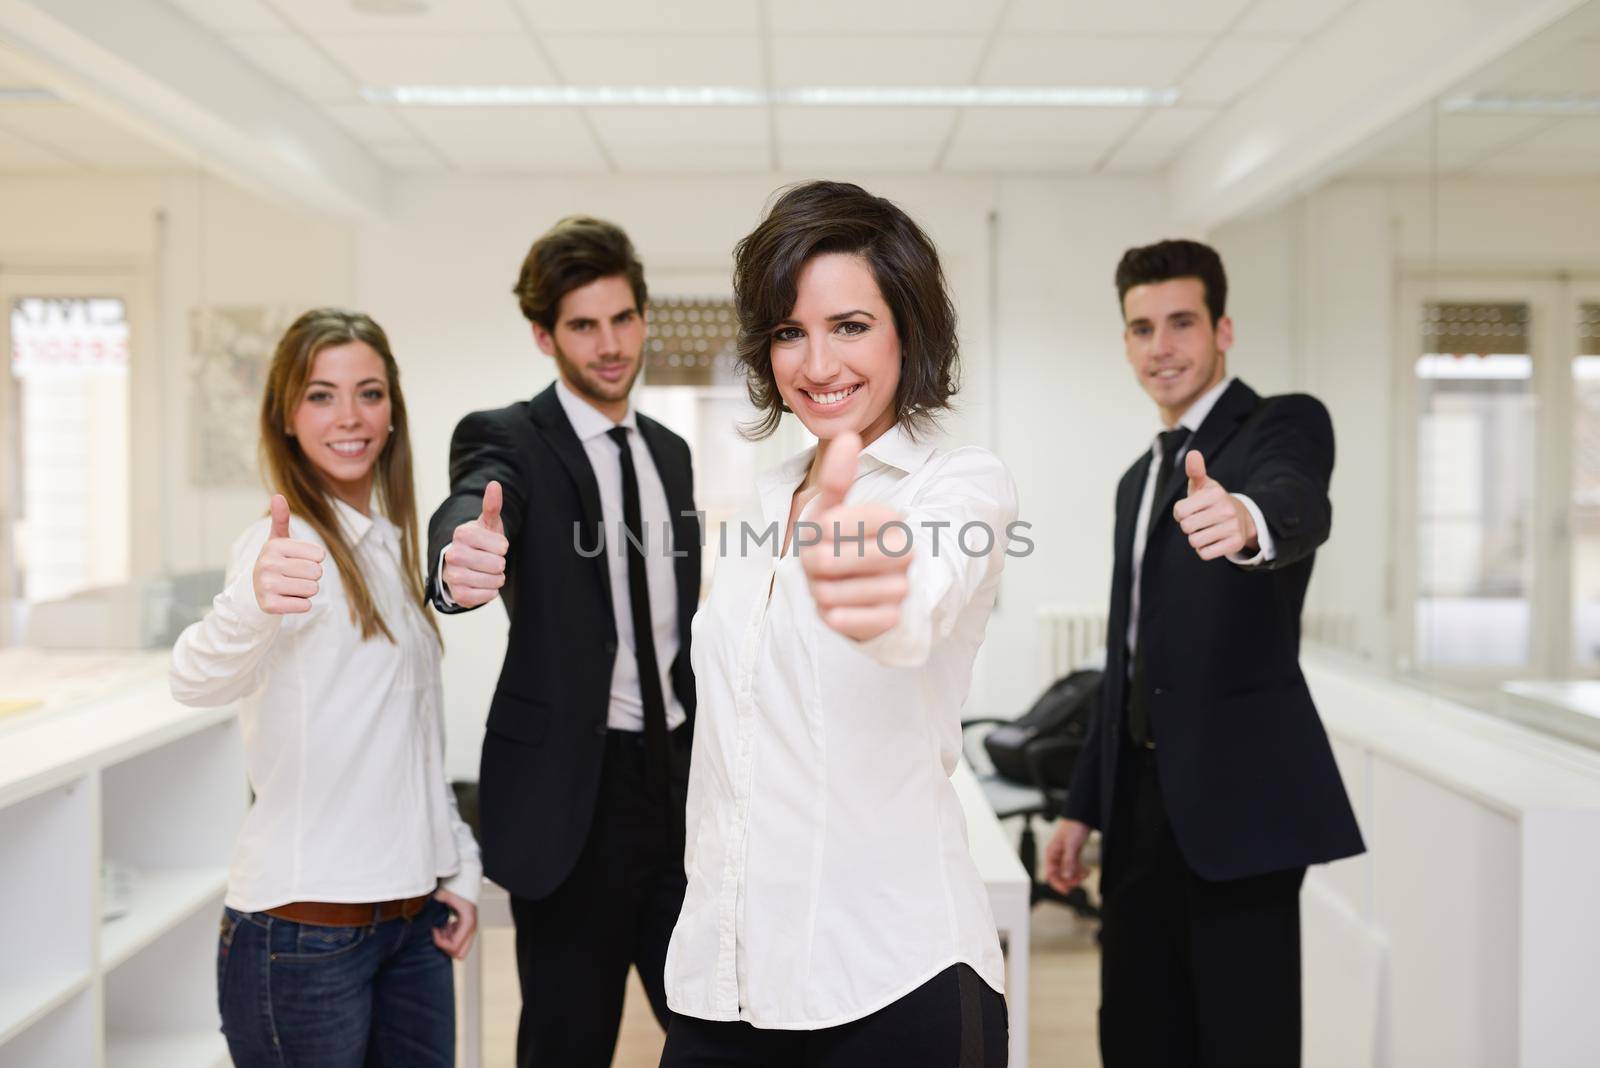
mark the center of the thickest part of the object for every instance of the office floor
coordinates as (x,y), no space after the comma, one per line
(1065,994)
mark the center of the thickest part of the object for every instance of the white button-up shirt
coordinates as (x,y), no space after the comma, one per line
(627,705)
(1265,552)
(344,737)
(826,853)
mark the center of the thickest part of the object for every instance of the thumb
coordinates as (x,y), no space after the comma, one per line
(491,508)
(280,517)
(838,471)
(1194,465)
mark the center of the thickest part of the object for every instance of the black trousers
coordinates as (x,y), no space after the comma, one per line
(954,1020)
(616,909)
(1193,974)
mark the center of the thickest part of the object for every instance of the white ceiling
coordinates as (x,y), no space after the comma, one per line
(53,136)
(327,50)
(1472,143)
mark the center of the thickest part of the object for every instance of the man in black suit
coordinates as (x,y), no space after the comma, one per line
(1208,771)
(586,755)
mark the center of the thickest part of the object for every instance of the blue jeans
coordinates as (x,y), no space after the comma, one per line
(295,994)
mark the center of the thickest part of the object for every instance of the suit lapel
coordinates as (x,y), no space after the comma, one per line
(556,429)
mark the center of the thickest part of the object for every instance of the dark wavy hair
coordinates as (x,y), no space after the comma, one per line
(815,218)
(1166,260)
(571,254)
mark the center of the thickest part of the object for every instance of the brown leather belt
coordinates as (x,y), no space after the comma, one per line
(334,914)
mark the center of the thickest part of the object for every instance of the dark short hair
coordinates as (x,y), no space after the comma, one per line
(1166,260)
(571,254)
(815,218)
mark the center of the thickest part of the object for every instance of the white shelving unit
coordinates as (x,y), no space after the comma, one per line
(133,778)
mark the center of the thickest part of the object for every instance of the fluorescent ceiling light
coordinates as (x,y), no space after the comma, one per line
(1503,104)
(11,94)
(960,96)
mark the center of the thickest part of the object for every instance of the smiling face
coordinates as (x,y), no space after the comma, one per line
(342,420)
(836,358)
(1175,350)
(598,336)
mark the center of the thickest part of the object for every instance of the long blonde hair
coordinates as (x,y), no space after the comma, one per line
(288,470)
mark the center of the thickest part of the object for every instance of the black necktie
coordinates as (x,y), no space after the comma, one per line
(644,641)
(1138,711)
(1171,442)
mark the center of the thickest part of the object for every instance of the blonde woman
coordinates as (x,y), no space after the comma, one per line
(353,880)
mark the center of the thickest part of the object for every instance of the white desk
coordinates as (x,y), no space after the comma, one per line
(992,851)
(1570,709)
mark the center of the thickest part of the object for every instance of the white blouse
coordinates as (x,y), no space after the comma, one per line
(344,738)
(827,859)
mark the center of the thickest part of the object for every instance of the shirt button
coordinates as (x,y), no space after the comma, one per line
(1159,691)
(611,648)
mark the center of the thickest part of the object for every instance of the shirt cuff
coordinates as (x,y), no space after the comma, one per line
(466,883)
(444,591)
(1266,551)
(242,606)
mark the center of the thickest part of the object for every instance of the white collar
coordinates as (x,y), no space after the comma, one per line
(1196,414)
(587,420)
(356,526)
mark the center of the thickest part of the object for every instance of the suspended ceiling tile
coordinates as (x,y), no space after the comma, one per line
(873,61)
(711,125)
(690,156)
(408,156)
(297,64)
(1057,157)
(1150,62)
(467,59)
(636,17)
(657,60)
(436,17)
(1046,125)
(1232,67)
(228,17)
(901,19)
(1292,18)
(1573,70)
(832,159)
(1124,17)
(863,125)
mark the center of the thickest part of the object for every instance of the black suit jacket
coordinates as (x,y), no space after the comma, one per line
(1247,774)
(547,723)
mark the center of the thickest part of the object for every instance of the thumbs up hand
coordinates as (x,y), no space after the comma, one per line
(287,571)
(1216,523)
(856,569)
(475,559)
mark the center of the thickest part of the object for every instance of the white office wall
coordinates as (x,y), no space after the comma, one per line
(1044,382)
(177,241)
(1315,296)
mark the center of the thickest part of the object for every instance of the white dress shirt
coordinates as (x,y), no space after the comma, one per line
(344,737)
(826,852)
(627,706)
(1190,421)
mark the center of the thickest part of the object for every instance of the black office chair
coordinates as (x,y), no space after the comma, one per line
(1032,759)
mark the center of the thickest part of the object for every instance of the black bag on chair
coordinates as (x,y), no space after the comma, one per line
(1062,711)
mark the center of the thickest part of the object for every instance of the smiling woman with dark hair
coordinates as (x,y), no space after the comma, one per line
(833,916)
